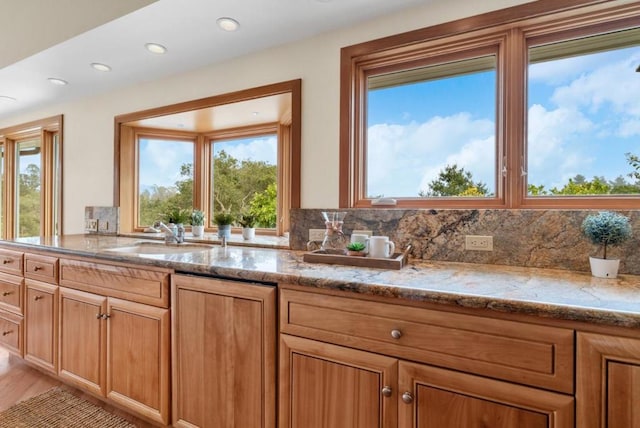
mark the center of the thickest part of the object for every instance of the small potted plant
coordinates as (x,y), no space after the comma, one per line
(224,220)
(177,216)
(606,229)
(356,249)
(197,223)
(248,223)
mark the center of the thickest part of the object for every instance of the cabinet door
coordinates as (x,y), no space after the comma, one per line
(328,386)
(608,389)
(224,353)
(82,339)
(41,325)
(138,357)
(437,398)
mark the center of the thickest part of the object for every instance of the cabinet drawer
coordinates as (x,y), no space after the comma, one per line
(11,262)
(11,332)
(524,353)
(124,282)
(11,290)
(42,268)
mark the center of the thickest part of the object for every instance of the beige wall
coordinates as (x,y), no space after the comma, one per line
(88,127)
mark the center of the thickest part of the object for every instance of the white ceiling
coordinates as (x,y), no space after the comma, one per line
(186,27)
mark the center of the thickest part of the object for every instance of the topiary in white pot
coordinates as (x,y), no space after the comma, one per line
(606,229)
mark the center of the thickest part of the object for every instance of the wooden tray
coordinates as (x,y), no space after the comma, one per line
(397,261)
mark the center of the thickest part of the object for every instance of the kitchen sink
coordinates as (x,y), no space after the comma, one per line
(160,248)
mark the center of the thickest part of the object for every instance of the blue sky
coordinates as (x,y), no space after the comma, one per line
(584,114)
(160,161)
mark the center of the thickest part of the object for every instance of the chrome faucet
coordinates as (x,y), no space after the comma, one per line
(173,235)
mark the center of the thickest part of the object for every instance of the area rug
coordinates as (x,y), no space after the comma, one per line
(58,408)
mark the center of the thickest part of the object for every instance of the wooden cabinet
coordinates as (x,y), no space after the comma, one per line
(82,339)
(608,381)
(224,353)
(328,386)
(117,349)
(473,372)
(41,324)
(11,332)
(431,397)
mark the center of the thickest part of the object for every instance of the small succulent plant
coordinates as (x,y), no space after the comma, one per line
(247,220)
(197,218)
(356,246)
(606,229)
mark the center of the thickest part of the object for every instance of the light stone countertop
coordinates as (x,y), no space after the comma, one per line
(546,293)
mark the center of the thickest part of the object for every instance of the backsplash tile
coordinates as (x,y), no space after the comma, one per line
(102,220)
(533,238)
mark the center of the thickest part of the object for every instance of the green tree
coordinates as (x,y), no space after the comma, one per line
(454,181)
(263,206)
(579,186)
(29,201)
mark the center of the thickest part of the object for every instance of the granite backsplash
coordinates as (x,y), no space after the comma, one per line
(534,238)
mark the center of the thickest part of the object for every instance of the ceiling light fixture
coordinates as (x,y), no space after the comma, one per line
(100,67)
(228,24)
(5,98)
(155,48)
(56,81)
(638,69)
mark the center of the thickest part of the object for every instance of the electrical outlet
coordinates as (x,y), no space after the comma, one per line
(362,232)
(91,225)
(316,234)
(478,243)
(103,226)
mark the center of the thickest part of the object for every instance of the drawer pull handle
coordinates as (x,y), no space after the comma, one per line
(37,268)
(386,391)
(396,334)
(5,333)
(98,316)
(407,397)
(38,298)
(106,316)
(7,293)
(6,261)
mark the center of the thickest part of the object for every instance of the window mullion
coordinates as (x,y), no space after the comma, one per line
(515,114)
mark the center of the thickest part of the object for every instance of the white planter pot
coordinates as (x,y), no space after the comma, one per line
(248,233)
(604,268)
(197,231)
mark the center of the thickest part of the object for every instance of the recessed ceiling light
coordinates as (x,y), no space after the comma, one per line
(56,81)
(100,67)
(155,48)
(255,113)
(5,98)
(228,24)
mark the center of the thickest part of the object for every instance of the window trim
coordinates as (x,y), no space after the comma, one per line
(125,186)
(520,25)
(51,209)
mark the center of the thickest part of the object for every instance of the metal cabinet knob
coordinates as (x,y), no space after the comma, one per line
(7,293)
(396,334)
(98,316)
(407,397)
(6,261)
(37,268)
(106,316)
(38,298)
(5,333)
(386,391)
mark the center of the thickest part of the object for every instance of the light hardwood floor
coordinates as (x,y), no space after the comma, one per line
(19,381)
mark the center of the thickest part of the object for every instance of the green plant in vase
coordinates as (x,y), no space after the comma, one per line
(356,249)
(606,229)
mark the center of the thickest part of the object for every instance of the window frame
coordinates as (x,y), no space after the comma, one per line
(519,26)
(126,161)
(50,174)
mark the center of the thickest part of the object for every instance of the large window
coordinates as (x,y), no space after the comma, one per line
(530,108)
(236,153)
(244,178)
(31,178)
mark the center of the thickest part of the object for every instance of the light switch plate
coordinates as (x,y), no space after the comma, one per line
(91,225)
(103,226)
(316,234)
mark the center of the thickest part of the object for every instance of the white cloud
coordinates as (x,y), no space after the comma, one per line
(258,149)
(160,162)
(401,157)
